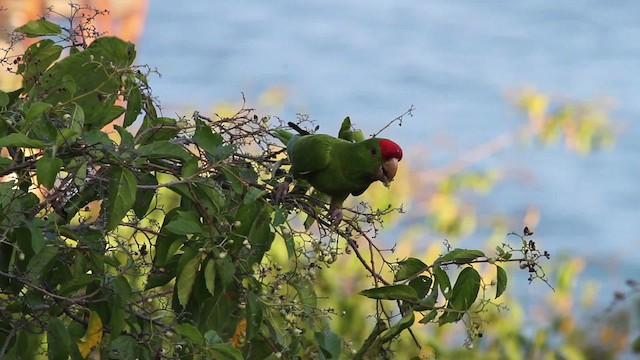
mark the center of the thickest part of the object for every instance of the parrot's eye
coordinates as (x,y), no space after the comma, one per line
(373,152)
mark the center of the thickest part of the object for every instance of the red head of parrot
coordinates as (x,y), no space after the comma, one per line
(391,155)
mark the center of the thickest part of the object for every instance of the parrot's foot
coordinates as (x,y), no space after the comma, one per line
(335,216)
(281,191)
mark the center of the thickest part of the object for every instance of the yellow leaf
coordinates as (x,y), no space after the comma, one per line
(92,337)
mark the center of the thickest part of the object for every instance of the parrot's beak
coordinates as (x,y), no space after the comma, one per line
(389,170)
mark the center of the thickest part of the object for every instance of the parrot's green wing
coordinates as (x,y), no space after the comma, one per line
(310,154)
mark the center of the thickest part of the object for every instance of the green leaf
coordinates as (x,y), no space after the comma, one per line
(211,337)
(134,107)
(122,195)
(460,256)
(397,328)
(40,27)
(184,226)
(463,295)
(206,139)
(41,263)
(227,351)
(429,317)
(391,292)
(421,285)
(501,284)
(187,271)
(443,280)
(254,194)
(47,169)
(123,347)
(118,299)
(233,177)
(210,276)
(4,99)
(190,332)
(20,140)
(58,342)
(145,196)
(254,315)
(410,268)
(37,111)
(330,344)
(163,150)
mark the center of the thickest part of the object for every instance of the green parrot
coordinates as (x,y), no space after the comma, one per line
(337,167)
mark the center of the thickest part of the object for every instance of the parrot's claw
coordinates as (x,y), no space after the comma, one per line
(335,216)
(281,191)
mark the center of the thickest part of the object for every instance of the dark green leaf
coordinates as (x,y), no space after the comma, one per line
(330,344)
(134,106)
(190,332)
(234,178)
(4,99)
(397,328)
(58,343)
(145,196)
(47,169)
(409,268)
(163,150)
(254,315)
(42,262)
(227,351)
(443,281)
(464,294)
(122,195)
(422,285)
(460,256)
(123,347)
(20,140)
(184,226)
(254,194)
(501,284)
(40,27)
(391,292)
(206,139)
(121,293)
(429,317)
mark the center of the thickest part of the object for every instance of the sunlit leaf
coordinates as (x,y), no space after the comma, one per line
(187,270)
(210,276)
(40,27)
(463,295)
(92,337)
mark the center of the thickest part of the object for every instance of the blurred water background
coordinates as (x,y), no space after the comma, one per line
(454,61)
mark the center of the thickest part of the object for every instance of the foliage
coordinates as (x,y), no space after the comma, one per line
(156,241)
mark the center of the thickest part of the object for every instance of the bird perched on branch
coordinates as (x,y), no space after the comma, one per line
(337,167)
